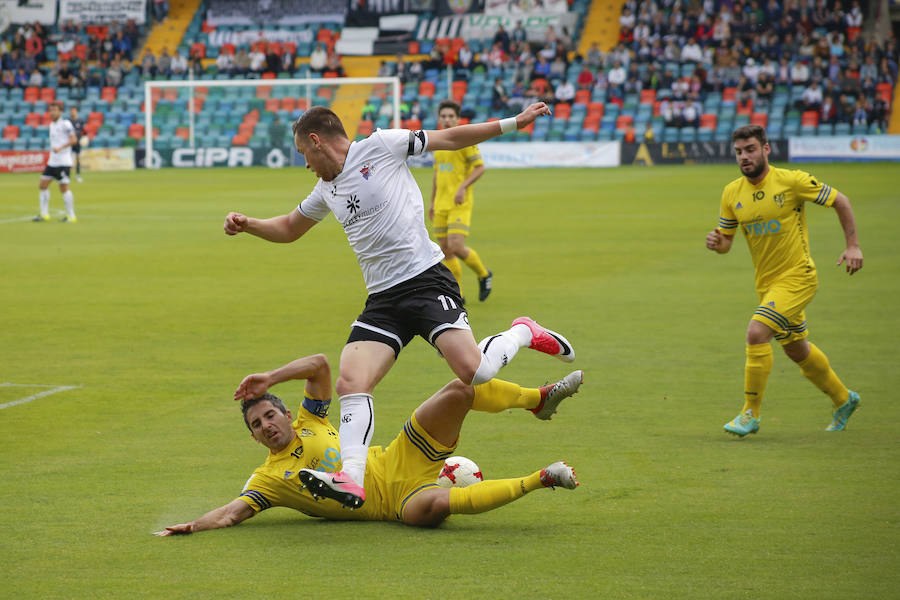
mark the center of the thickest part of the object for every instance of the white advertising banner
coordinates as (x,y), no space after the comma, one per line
(524,7)
(512,155)
(844,148)
(102,11)
(483,26)
(219,38)
(19,12)
(269,12)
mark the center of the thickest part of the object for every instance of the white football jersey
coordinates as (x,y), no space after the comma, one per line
(60,130)
(378,203)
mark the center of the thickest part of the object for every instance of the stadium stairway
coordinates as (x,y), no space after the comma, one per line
(601,25)
(894,125)
(349,101)
(169,33)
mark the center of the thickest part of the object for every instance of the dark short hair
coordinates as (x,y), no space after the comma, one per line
(248,404)
(750,131)
(58,103)
(320,120)
(449,104)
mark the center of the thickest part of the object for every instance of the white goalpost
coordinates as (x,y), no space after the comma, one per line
(192,84)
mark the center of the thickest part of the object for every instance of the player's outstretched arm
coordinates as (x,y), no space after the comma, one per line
(716,240)
(232,513)
(852,255)
(282,229)
(461,136)
(314,369)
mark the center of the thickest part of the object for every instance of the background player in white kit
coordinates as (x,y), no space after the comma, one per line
(62,138)
(369,188)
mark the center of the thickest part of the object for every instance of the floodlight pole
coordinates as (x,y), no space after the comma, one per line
(194,83)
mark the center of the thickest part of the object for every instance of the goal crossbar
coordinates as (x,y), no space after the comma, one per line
(192,84)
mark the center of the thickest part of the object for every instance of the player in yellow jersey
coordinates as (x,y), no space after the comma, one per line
(400,481)
(768,205)
(455,171)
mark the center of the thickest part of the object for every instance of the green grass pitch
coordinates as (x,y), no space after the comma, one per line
(157,315)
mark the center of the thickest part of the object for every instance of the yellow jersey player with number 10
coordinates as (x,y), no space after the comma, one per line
(767,205)
(455,171)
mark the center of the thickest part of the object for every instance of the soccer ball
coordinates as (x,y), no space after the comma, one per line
(459,471)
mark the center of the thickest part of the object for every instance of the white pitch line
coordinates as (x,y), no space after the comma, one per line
(55,390)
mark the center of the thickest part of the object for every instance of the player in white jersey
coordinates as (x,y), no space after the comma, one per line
(369,188)
(62,138)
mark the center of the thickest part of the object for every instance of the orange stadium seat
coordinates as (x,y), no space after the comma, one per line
(427,88)
(33,119)
(48,94)
(583,97)
(648,96)
(272,104)
(413,48)
(10,132)
(761,119)
(562,110)
(708,120)
(198,49)
(263,92)
(729,94)
(624,121)
(745,108)
(596,108)
(885,91)
(809,117)
(366,128)
(288,103)
(228,48)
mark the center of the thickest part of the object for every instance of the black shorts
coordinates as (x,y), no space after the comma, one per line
(76,149)
(427,305)
(61,174)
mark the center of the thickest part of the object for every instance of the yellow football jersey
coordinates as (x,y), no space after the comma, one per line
(316,446)
(772,218)
(452,168)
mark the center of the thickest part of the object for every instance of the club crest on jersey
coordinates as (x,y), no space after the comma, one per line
(367,171)
(779,200)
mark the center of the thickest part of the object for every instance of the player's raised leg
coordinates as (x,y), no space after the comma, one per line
(817,369)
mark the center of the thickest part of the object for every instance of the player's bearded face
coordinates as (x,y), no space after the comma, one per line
(752,157)
(270,427)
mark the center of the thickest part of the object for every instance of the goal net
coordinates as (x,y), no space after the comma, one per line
(205,122)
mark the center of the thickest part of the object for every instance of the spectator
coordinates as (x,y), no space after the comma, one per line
(318,59)
(499,96)
(415,110)
(334,65)
(633,80)
(617,80)
(224,63)
(868,69)
(384,70)
(879,114)
(148,64)
(416,71)
(123,45)
(502,38)
(179,65)
(27,63)
(66,45)
(559,65)
(465,57)
(672,53)
(257,59)
(401,68)
(828,110)
(601,80)
(812,97)
(692,52)
(160,10)
(36,79)
(64,74)
(519,34)
(288,59)
(594,56)
(517,97)
(751,71)
(115,72)
(164,63)
(585,78)
(8,79)
(800,73)
(783,72)
(547,51)
(273,60)
(565,91)
(541,68)
(691,114)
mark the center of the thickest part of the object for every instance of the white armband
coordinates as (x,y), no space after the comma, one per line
(507,125)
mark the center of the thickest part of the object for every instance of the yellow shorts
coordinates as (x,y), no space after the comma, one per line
(455,220)
(411,463)
(781,308)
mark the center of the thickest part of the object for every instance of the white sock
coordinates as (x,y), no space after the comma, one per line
(69,201)
(357,427)
(498,350)
(44,197)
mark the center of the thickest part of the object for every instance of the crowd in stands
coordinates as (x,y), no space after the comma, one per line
(753,54)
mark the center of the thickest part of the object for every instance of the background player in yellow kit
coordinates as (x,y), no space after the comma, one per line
(399,480)
(767,204)
(455,171)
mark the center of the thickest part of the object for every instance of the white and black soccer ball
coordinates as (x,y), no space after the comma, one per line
(459,471)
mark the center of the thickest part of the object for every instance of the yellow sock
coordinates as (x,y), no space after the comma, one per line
(456,269)
(497,395)
(491,494)
(474,262)
(756,374)
(817,369)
